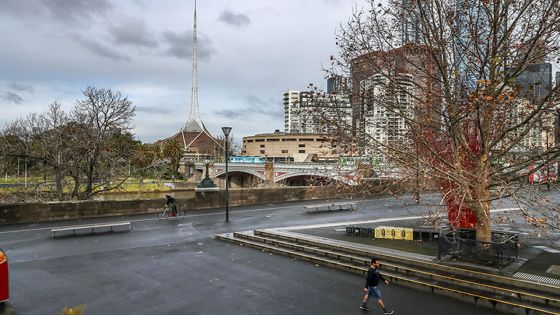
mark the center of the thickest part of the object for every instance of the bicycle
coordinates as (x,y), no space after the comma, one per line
(166,214)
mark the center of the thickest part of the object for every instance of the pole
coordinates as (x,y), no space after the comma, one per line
(547,164)
(417,192)
(227,178)
(25,171)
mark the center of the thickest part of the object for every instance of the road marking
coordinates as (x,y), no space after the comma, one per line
(239,211)
(313,226)
(154,219)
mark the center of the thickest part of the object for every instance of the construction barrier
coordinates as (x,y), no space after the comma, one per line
(398,233)
(379,232)
(408,234)
(394,233)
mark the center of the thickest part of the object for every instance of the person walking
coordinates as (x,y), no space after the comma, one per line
(371,288)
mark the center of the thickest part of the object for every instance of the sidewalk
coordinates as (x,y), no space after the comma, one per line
(537,260)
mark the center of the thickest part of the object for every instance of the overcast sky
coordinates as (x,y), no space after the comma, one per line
(250,53)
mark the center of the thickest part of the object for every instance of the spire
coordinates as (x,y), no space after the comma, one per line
(194,123)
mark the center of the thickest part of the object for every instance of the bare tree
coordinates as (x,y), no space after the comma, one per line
(100,114)
(436,87)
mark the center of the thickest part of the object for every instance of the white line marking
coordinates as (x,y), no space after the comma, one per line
(313,226)
(156,219)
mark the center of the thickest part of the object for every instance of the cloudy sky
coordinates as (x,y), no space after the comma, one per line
(250,53)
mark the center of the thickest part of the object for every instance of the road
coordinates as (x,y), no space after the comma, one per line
(176,267)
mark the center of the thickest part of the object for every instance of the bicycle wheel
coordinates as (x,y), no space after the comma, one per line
(180,214)
(162,215)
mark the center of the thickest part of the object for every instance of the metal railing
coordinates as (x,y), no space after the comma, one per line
(462,244)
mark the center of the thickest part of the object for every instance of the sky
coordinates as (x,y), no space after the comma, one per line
(250,53)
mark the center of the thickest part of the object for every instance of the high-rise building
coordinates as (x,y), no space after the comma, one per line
(337,84)
(292,109)
(311,112)
(535,82)
(410,27)
(389,88)
(386,112)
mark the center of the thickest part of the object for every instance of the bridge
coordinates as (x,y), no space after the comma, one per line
(290,174)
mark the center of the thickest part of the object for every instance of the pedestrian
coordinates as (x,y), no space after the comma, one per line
(371,288)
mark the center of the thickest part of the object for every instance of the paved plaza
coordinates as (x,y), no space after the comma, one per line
(176,267)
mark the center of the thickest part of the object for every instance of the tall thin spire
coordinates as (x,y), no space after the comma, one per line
(194,123)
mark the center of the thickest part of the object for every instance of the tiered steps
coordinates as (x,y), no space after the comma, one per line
(506,294)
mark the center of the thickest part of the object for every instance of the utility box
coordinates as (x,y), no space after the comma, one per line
(4,282)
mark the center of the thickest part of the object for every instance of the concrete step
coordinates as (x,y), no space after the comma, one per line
(531,287)
(420,273)
(357,265)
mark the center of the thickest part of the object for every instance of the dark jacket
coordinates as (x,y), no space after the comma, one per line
(171,202)
(373,277)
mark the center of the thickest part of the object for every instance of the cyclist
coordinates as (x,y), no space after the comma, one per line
(171,203)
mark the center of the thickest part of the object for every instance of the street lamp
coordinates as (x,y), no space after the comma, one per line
(226,131)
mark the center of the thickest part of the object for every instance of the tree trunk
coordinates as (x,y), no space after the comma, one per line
(483,224)
(58,181)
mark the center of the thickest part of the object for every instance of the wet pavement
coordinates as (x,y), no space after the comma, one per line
(176,267)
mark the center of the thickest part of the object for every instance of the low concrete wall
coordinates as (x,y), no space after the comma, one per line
(51,211)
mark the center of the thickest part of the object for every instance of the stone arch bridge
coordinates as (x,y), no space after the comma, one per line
(291,174)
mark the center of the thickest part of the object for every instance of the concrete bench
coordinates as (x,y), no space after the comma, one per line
(92,228)
(335,206)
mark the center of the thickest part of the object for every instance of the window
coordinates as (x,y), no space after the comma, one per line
(249,140)
(301,151)
(262,151)
(284,151)
(273,140)
(259,140)
(301,145)
(305,139)
(262,145)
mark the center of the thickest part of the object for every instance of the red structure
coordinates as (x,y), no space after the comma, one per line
(4,283)
(459,215)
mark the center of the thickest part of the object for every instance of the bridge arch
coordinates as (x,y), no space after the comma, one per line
(313,176)
(221,173)
(242,179)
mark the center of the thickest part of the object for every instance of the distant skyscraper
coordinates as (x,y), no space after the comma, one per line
(292,104)
(535,82)
(410,32)
(310,112)
(337,84)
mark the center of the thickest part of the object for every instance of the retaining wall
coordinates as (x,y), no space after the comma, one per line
(51,211)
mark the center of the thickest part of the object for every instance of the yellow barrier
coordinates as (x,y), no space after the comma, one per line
(399,231)
(379,232)
(408,234)
(389,232)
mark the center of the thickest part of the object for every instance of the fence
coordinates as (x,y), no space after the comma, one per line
(462,243)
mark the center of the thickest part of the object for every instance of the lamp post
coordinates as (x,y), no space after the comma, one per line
(226,131)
